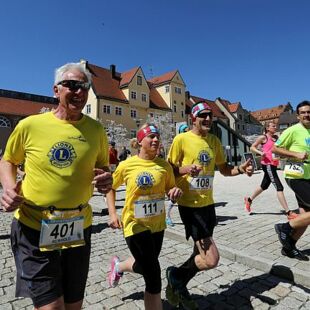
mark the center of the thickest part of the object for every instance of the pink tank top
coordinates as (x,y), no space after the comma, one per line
(267,147)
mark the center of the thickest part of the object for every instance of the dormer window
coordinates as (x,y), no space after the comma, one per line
(139,80)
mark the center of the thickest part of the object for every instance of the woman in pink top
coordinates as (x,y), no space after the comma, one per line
(265,143)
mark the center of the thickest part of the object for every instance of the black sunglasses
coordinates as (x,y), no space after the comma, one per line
(75,85)
(205,115)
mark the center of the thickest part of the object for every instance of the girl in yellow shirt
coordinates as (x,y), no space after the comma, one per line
(147,178)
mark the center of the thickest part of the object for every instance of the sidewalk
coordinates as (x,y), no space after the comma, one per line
(251,239)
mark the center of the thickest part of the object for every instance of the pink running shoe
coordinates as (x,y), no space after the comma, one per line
(247,205)
(114,276)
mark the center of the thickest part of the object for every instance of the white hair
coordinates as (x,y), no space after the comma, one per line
(59,72)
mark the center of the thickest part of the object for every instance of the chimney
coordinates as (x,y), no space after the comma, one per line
(112,69)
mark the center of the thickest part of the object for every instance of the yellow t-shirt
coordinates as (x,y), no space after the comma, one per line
(146,181)
(187,149)
(59,160)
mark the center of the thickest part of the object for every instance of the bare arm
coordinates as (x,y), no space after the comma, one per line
(230,171)
(254,147)
(10,199)
(114,220)
(291,154)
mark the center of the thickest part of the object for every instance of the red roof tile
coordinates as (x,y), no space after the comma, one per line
(104,85)
(156,100)
(128,76)
(271,113)
(165,78)
(12,106)
(233,107)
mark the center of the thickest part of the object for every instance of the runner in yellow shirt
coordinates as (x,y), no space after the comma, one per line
(65,154)
(194,155)
(147,178)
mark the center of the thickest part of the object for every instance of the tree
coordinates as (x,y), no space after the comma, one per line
(116,132)
(166,128)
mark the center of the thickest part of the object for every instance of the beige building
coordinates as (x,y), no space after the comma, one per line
(128,98)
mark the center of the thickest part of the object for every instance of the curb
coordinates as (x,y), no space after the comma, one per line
(291,274)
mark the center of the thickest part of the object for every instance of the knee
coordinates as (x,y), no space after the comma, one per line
(210,261)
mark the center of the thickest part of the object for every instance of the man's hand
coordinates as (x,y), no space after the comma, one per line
(175,193)
(193,170)
(247,167)
(102,180)
(11,199)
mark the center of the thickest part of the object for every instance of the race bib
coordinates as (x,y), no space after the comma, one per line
(294,170)
(201,182)
(147,206)
(60,231)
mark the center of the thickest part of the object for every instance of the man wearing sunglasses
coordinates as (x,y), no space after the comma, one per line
(65,155)
(194,155)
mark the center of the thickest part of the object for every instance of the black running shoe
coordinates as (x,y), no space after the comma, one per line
(294,253)
(284,236)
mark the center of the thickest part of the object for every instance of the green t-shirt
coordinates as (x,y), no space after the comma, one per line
(297,139)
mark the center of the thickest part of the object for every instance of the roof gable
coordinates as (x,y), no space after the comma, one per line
(163,79)
(106,84)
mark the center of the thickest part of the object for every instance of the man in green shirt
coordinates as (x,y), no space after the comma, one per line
(294,144)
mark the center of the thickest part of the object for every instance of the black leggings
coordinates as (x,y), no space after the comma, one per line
(271,176)
(145,248)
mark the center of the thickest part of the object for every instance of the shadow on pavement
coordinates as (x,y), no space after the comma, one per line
(134,296)
(265,213)
(240,293)
(220,204)
(96,229)
(4,237)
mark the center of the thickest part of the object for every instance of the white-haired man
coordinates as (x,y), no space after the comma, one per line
(65,155)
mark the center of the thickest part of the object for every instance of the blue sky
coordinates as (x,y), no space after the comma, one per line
(253,51)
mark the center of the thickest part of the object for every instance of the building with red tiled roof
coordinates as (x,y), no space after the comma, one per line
(271,114)
(15,106)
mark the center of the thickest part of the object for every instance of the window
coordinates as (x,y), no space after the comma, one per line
(139,80)
(182,114)
(107,109)
(143,97)
(151,115)
(167,88)
(133,133)
(178,90)
(133,113)
(5,122)
(133,95)
(174,108)
(240,116)
(88,108)
(118,111)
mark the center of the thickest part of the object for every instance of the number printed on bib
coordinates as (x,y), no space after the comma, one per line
(61,233)
(201,183)
(294,170)
(145,207)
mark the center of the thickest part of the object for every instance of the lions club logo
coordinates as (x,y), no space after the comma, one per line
(61,154)
(145,180)
(204,158)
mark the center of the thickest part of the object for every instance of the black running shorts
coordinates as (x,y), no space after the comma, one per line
(45,276)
